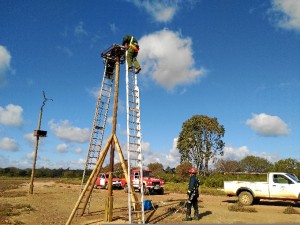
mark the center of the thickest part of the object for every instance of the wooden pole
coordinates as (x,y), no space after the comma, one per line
(35,153)
(109,200)
(37,143)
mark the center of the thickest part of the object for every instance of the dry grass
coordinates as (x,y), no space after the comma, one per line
(8,210)
(8,184)
(290,210)
(238,207)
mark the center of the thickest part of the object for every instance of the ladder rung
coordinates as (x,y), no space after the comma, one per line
(133,102)
(134,96)
(133,136)
(135,129)
(133,90)
(135,151)
(134,109)
(134,122)
(106,90)
(135,116)
(93,157)
(137,211)
(131,143)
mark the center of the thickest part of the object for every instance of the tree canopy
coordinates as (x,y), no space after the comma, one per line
(287,165)
(255,164)
(223,165)
(157,168)
(200,141)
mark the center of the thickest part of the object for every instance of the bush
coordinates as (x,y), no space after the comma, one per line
(176,187)
(214,182)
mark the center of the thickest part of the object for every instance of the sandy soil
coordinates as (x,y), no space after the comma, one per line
(53,203)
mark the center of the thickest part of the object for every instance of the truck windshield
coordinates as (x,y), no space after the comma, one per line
(293,177)
(146,173)
(107,175)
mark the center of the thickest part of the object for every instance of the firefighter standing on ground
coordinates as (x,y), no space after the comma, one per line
(193,194)
(132,46)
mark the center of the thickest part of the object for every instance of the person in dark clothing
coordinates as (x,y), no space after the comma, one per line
(193,194)
(132,46)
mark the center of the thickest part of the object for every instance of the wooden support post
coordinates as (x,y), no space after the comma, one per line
(91,179)
(109,199)
(133,196)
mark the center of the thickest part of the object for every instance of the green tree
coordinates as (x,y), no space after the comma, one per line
(12,171)
(170,170)
(287,165)
(157,168)
(182,170)
(255,164)
(223,165)
(200,141)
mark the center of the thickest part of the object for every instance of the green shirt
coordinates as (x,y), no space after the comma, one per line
(127,39)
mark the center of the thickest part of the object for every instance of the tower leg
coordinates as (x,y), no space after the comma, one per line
(109,208)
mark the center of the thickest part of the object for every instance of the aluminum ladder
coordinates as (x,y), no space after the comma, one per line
(134,147)
(100,116)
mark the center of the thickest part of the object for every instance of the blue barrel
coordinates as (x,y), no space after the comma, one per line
(147,205)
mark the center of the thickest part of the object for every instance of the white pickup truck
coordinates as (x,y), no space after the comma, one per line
(279,186)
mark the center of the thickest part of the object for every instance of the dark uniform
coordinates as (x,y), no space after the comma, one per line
(193,194)
(132,52)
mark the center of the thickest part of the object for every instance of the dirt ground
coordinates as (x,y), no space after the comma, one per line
(52,203)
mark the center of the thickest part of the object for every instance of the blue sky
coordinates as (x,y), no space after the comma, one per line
(234,60)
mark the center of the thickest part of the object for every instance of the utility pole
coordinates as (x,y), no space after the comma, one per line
(38,133)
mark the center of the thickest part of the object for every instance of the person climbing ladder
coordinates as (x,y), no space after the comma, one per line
(132,47)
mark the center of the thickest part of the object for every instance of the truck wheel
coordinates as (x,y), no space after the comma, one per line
(106,186)
(246,198)
(161,191)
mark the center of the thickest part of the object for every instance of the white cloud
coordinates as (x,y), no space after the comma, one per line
(78,150)
(267,125)
(62,148)
(65,131)
(161,11)
(173,158)
(146,147)
(79,31)
(8,144)
(95,91)
(5,58)
(113,27)
(149,156)
(169,59)
(270,157)
(30,138)
(231,153)
(4,161)
(81,161)
(11,115)
(30,156)
(65,51)
(286,14)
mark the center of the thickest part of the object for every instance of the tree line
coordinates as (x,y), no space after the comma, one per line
(249,164)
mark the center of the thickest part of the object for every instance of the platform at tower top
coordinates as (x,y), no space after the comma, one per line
(113,52)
